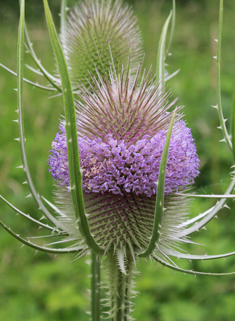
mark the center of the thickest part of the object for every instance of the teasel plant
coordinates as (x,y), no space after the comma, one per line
(123,159)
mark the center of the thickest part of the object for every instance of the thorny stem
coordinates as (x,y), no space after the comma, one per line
(120,290)
(95,287)
(123,304)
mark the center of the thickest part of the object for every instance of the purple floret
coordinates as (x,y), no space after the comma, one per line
(118,167)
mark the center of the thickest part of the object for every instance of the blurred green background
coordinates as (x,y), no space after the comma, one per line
(39,287)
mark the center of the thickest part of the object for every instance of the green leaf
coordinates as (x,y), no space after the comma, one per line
(72,141)
(159,207)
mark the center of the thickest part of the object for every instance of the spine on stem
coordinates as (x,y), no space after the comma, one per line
(120,288)
(95,287)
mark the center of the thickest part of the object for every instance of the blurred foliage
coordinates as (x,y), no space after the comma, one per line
(40,287)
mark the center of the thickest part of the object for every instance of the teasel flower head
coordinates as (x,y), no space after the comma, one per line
(97,31)
(122,130)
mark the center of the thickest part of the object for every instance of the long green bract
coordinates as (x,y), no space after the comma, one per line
(20,64)
(159,207)
(51,79)
(75,249)
(161,57)
(218,80)
(63,18)
(233,126)
(34,84)
(72,141)
(28,216)
(175,268)
(211,213)
(172,27)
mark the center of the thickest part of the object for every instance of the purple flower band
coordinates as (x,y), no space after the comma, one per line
(117,167)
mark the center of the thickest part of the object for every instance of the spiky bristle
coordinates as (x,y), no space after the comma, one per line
(97,33)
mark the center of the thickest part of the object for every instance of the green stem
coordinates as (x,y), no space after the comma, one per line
(159,207)
(123,297)
(120,290)
(95,288)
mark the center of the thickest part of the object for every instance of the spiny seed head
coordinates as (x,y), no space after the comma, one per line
(97,33)
(122,127)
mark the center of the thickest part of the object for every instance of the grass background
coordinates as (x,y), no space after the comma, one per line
(39,287)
